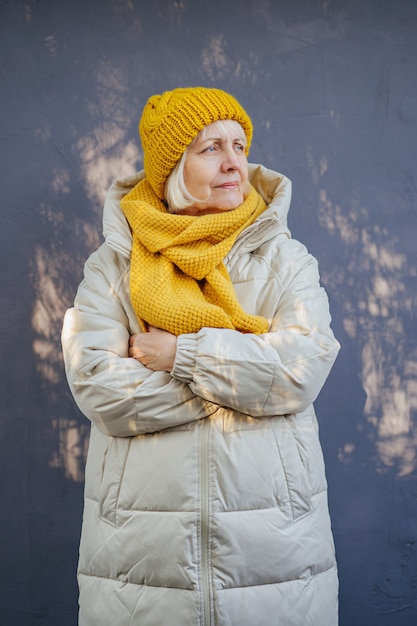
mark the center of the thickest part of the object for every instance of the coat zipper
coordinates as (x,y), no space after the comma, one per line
(205,580)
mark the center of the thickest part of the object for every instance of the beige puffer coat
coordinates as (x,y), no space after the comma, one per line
(205,495)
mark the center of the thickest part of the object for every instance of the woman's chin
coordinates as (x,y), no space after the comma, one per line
(222,205)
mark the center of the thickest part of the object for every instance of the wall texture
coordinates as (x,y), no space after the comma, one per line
(331,86)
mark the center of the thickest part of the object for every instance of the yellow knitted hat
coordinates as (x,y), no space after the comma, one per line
(170,122)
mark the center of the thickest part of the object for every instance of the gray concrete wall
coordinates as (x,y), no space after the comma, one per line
(331,86)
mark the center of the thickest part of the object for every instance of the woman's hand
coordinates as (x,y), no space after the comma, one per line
(155,349)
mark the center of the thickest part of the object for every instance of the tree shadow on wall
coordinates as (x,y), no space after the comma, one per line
(56,269)
(374,289)
(369,404)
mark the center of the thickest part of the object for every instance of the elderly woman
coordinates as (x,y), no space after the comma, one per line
(199,339)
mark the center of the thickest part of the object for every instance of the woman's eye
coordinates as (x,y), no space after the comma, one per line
(240,147)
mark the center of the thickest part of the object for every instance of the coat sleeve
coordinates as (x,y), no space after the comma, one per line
(276,373)
(117,393)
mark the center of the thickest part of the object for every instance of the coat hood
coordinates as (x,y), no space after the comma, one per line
(273,187)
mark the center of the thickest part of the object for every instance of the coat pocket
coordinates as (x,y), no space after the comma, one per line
(306,433)
(114,464)
(295,471)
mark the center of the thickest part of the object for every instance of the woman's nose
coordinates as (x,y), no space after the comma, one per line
(231,160)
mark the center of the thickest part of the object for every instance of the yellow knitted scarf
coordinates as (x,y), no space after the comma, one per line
(178,281)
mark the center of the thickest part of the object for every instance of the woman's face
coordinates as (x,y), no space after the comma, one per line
(216,169)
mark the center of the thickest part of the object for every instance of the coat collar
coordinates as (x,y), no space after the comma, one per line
(274,188)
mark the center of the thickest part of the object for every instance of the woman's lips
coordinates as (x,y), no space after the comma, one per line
(229,185)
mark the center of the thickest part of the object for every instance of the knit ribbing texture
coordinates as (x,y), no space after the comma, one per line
(178,281)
